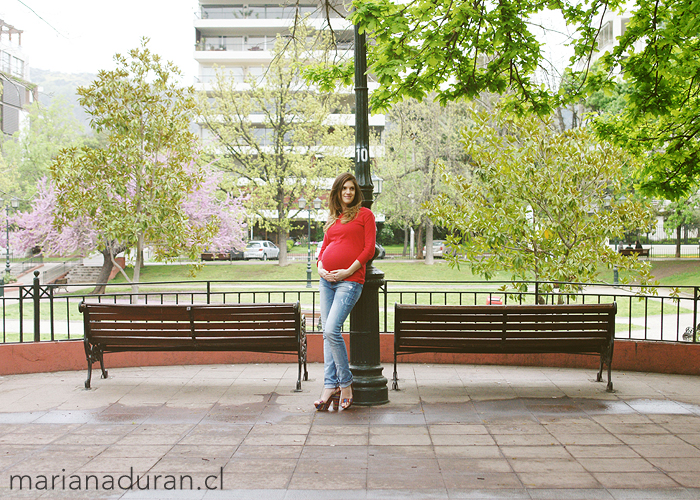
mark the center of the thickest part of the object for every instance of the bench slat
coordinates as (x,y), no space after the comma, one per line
(273,328)
(509,329)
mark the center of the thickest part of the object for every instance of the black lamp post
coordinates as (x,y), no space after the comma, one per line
(369,386)
(15,205)
(302,206)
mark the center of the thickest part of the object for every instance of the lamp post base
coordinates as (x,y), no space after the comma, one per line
(369,385)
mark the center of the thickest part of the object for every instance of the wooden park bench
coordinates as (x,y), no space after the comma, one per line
(61,283)
(639,252)
(506,329)
(269,328)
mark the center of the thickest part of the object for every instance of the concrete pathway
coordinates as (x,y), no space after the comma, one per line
(452,431)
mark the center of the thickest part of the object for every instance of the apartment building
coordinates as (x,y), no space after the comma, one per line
(15,88)
(238,39)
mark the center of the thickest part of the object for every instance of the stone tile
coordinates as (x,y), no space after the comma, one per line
(569,494)
(255,481)
(517,429)
(395,465)
(452,429)
(401,451)
(405,480)
(397,430)
(535,452)
(616,465)
(525,440)
(474,465)
(338,440)
(339,466)
(399,440)
(676,464)
(463,440)
(332,452)
(276,440)
(137,451)
(614,451)
(260,465)
(687,479)
(268,429)
(343,430)
(667,439)
(269,451)
(635,480)
(328,481)
(468,452)
(487,480)
(546,466)
(118,465)
(598,439)
(663,450)
(558,480)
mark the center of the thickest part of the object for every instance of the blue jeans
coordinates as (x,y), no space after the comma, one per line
(337,300)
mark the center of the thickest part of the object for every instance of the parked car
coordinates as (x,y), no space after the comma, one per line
(440,249)
(261,249)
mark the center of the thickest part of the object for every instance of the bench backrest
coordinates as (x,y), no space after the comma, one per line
(495,328)
(211,327)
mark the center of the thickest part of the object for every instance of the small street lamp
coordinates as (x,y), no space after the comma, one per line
(378,184)
(302,206)
(15,205)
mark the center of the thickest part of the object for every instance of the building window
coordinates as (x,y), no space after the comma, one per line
(5,62)
(272,11)
(605,37)
(209,74)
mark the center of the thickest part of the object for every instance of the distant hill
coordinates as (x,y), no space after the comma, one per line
(53,84)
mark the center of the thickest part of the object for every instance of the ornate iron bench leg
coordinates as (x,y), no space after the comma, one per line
(395,383)
(600,370)
(102,363)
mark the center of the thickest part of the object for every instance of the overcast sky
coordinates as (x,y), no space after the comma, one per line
(75,36)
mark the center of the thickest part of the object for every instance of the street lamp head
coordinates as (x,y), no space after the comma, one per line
(302,203)
(317,203)
(15,203)
(378,183)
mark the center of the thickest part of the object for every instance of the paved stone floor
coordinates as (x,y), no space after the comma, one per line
(452,431)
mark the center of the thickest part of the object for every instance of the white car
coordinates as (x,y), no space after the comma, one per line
(261,249)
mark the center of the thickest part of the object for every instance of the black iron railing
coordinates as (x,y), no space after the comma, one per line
(33,313)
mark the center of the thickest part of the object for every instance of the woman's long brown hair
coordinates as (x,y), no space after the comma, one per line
(335,207)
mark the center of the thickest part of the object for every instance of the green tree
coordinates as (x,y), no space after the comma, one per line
(274,138)
(30,151)
(658,58)
(540,204)
(461,49)
(132,190)
(422,139)
(684,213)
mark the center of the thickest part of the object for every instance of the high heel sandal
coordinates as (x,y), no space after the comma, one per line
(346,402)
(322,405)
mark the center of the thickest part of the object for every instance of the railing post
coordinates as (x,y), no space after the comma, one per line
(695,313)
(37,312)
(208,292)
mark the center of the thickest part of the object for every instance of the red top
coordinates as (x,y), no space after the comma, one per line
(343,244)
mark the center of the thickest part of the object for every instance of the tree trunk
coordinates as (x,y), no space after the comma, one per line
(405,240)
(678,241)
(429,242)
(137,270)
(419,242)
(282,243)
(107,266)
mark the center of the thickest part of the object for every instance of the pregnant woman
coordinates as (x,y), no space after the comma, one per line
(348,245)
